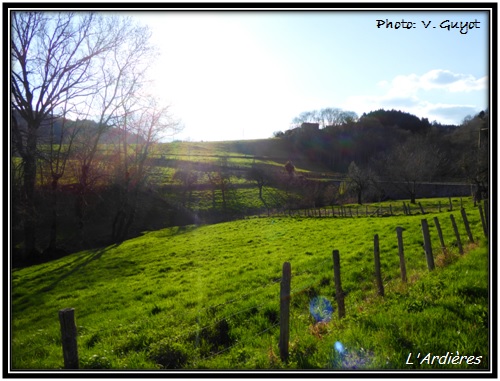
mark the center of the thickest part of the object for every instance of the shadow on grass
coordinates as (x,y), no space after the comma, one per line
(22,300)
(84,261)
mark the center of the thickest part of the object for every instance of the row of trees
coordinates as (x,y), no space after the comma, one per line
(328,116)
(76,77)
(399,148)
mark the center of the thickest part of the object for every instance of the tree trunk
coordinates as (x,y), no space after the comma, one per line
(53,227)
(413,194)
(30,251)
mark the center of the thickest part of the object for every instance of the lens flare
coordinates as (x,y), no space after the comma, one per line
(339,347)
(321,309)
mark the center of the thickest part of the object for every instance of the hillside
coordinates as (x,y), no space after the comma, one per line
(207,297)
(97,192)
(274,151)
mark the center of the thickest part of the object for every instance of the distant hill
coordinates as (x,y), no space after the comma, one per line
(59,126)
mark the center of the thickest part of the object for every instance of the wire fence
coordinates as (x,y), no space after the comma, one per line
(243,316)
(369,210)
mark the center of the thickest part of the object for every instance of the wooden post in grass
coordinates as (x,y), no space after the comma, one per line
(378,274)
(483,220)
(285,311)
(402,264)
(390,209)
(451,205)
(339,294)
(457,235)
(421,208)
(466,223)
(440,234)
(427,245)
(68,338)
(439,206)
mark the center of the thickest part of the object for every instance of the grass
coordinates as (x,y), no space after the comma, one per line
(207,297)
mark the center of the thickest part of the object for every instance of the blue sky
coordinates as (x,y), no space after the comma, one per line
(244,75)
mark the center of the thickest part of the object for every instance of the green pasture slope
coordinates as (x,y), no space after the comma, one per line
(207,297)
(241,153)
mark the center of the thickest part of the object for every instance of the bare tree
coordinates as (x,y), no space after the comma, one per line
(140,131)
(409,165)
(60,144)
(187,178)
(472,142)
(117,99)
(359,180)
(53,70)
(262,178)
(220,179)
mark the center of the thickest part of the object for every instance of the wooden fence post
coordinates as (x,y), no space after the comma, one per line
(68,338)
(483,220)
(427,245)
(457,235)
(466,223)
(339,294)
(451,205)
(421,208)
(378,275)
(439,206)
(285,311)
(440,234)
(402,264)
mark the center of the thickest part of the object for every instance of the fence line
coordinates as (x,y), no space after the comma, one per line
(68,327)
(342,211)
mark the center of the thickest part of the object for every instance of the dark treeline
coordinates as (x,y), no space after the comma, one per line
(377,141)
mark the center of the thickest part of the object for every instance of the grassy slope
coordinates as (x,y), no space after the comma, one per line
(263,151)
(178,296)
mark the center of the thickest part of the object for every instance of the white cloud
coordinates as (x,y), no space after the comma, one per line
(403,85)
(423,95)
(453,82)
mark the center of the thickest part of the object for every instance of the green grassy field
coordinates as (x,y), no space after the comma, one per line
(207,297)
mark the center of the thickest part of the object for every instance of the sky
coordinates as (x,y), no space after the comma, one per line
(246,74)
